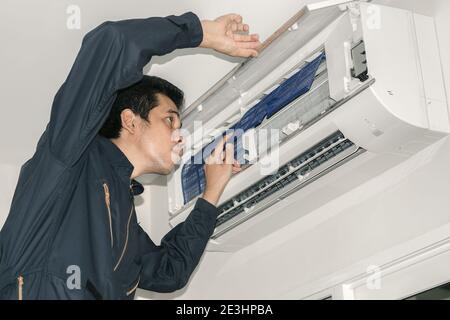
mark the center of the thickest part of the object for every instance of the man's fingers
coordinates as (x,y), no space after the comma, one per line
(240,27)
(218,150)
(211,159)
(235,23)
(230,18)
(245,37)
(248,45)
(234,17)
(245,53)
(236,167)
(237,27)
(229,153)
(241,44)
(234,171)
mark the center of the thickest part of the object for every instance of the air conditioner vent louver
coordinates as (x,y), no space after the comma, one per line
(305,168)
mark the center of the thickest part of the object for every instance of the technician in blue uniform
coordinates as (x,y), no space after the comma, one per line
(72,214)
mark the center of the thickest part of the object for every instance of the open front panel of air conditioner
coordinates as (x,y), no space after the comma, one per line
(323,157)
(320,100)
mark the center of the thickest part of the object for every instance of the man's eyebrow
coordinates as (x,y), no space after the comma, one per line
(173,111)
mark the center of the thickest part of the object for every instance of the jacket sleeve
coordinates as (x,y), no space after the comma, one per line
(111,57)
(168,267)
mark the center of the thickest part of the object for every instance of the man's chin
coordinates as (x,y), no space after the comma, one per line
(167,170)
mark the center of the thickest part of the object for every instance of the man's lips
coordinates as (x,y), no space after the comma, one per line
(178,150)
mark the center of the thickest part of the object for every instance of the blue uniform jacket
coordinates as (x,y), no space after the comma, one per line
(72,214)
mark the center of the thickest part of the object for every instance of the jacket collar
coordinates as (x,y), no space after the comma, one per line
(120,163)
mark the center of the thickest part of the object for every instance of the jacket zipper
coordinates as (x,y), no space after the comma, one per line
(134,288)
(20,287)
(108,205)
(126,239)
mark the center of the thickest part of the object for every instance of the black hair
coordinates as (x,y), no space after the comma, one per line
(140,98)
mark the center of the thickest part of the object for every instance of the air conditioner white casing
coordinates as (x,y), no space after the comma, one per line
(399,110)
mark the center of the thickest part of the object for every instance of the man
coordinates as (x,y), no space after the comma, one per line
(72,214)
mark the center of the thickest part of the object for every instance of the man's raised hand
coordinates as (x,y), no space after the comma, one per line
(227,34)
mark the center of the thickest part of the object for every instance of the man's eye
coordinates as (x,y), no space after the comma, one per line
(170,120)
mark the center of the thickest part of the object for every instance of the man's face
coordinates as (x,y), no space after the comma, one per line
(159,139)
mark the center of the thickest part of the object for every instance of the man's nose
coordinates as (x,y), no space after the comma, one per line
(180,139)
(176,135)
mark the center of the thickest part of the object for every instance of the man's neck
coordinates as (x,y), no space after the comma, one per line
(126,150)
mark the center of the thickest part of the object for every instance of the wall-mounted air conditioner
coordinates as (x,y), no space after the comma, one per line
(353,89)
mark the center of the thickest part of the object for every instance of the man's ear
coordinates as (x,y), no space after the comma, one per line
(128,120)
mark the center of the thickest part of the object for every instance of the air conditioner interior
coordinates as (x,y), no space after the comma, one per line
(312,101)
(266,112)
(276,50)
